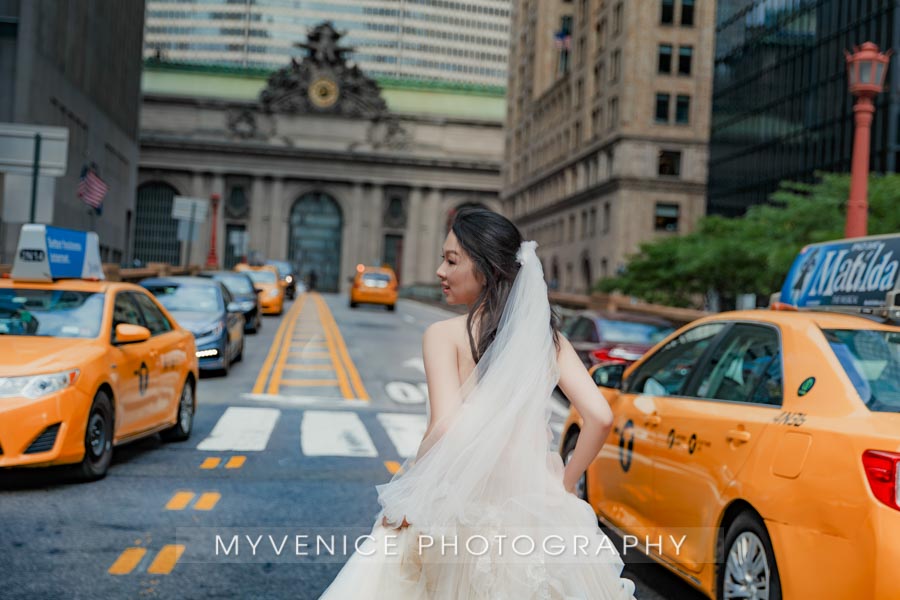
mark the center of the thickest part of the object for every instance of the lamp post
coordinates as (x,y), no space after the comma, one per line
(866,68)
(212,259)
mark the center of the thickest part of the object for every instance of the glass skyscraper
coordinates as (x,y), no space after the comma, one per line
(464,41)
(781,108)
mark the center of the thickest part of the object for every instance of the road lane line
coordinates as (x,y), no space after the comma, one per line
(334,433)
(210,463)
(127,561)
(309,382)
(236,462)
(179,501)
(405,430)
(207,501)
(166,559)
(344,382)
(324,367)
(263,376)
(311,354)
(328,320)
(274,382)
(392,466)
(242,429)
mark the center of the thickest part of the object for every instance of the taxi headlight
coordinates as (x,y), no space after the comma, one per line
(273,293)
(35,386)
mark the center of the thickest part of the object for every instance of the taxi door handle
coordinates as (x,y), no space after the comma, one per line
(738,435)
(652,420)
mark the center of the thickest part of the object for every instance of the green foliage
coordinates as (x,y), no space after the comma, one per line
(752,254)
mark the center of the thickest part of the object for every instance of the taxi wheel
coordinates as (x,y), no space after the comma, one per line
(98,437)
(749,569)
(181,430)
(353,305)
(240,355)
(392,307)
(568,450)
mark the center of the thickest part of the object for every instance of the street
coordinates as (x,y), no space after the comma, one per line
(276,447)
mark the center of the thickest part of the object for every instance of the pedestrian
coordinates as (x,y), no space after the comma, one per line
(485,472)
(312,279)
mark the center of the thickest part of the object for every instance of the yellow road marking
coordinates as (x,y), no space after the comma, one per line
(166,559)
(322,367)
(180,500)
(392,466)
(260,384)
(344,383)
(309,382)
(312,354)
(235,462)
(210,463)
(330,323)
(306,355)
(127,561)
(207,501)
(286,347)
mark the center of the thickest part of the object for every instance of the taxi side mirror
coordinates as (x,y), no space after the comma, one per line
(234,307)
(131,334)
(608,376)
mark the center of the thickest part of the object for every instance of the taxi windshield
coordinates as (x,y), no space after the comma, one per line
(630,332)
(192,298)
(262,276)
(871,360)
(50,313)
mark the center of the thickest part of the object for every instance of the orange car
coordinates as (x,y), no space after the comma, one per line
(759,451)
(268,284)
(86,364)
(374,285)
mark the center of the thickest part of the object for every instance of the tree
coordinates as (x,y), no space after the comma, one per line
(752,254)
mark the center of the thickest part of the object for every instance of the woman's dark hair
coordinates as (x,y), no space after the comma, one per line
(491,241)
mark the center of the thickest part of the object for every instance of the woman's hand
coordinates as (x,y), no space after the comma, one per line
(384,523)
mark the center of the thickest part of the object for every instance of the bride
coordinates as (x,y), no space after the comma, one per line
(486,509)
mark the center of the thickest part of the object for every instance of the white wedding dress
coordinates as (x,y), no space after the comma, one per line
(490,472)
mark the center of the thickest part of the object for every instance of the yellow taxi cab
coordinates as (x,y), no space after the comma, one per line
(85,364)
(757,453)
(374,285)
(268,284)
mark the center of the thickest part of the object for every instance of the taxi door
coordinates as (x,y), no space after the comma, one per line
(130,364)
(164,385)
(659,379)
(706,436)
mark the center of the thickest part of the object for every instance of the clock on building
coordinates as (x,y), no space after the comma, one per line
(323,92)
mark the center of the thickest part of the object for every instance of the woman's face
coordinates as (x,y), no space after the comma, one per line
(459,277)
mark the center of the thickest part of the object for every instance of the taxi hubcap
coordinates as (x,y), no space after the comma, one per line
(185,411)
(97,434)
(747,570)
(580,486)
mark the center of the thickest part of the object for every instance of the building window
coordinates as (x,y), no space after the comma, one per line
(582,49)
(685,54)
(683,110)
(664,63)
(579,92)
(668,12)
(666,217)
(613,112)
(687,13)
(616,66)
(592,227)
(662,108)
(584,224)
(607,216)
(601,34)
(571,228)
(669,163)
(617,19)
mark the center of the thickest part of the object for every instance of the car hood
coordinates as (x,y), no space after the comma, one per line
(31,355)
(196,322)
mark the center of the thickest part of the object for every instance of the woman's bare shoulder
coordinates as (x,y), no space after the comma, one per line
(450,329)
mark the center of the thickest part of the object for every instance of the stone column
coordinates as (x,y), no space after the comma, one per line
(411,255)
(257,230)
(432,238)
(201,230)
(279,221)
(375,210)
(218,187)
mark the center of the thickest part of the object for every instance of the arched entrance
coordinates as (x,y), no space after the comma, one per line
(155,231)
(315,239)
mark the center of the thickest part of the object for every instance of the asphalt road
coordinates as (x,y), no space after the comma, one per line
(325,405)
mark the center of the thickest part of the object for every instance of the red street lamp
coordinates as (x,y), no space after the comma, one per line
(866,68)
(212,260)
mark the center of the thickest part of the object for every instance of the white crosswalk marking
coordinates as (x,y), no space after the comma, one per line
(242,428)
(334,433)
(406,431)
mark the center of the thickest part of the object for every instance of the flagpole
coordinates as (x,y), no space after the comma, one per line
(34,174)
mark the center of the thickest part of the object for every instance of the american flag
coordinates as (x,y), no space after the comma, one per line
(91,189)
(562,39)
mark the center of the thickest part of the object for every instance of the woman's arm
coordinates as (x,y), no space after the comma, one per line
(582,392)
(442,375)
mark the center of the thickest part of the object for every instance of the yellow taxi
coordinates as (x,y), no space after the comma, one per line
(757,453)
(268,284)
(374,285)
(86,364)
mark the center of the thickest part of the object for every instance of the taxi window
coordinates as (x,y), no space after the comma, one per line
(156,321)
(747,367)
(372,279)
(50,313)
(187,297)
(125,311)
(871,360)
(667,371)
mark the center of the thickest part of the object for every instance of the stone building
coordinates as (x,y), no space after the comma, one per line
(316,164)
(607,131)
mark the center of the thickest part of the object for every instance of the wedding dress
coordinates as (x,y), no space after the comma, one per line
(485,496)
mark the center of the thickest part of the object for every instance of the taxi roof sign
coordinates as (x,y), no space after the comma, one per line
(46,253)
(857,275)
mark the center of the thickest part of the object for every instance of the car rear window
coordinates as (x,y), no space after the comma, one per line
(50,313)
(629,332)
(871,360)
(376,279)
(236,284)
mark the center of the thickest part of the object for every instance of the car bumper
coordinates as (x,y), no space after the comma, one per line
(27,428)
(271,306)
(364,297)
(211,354)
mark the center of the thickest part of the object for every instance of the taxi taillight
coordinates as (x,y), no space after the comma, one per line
(883,472)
